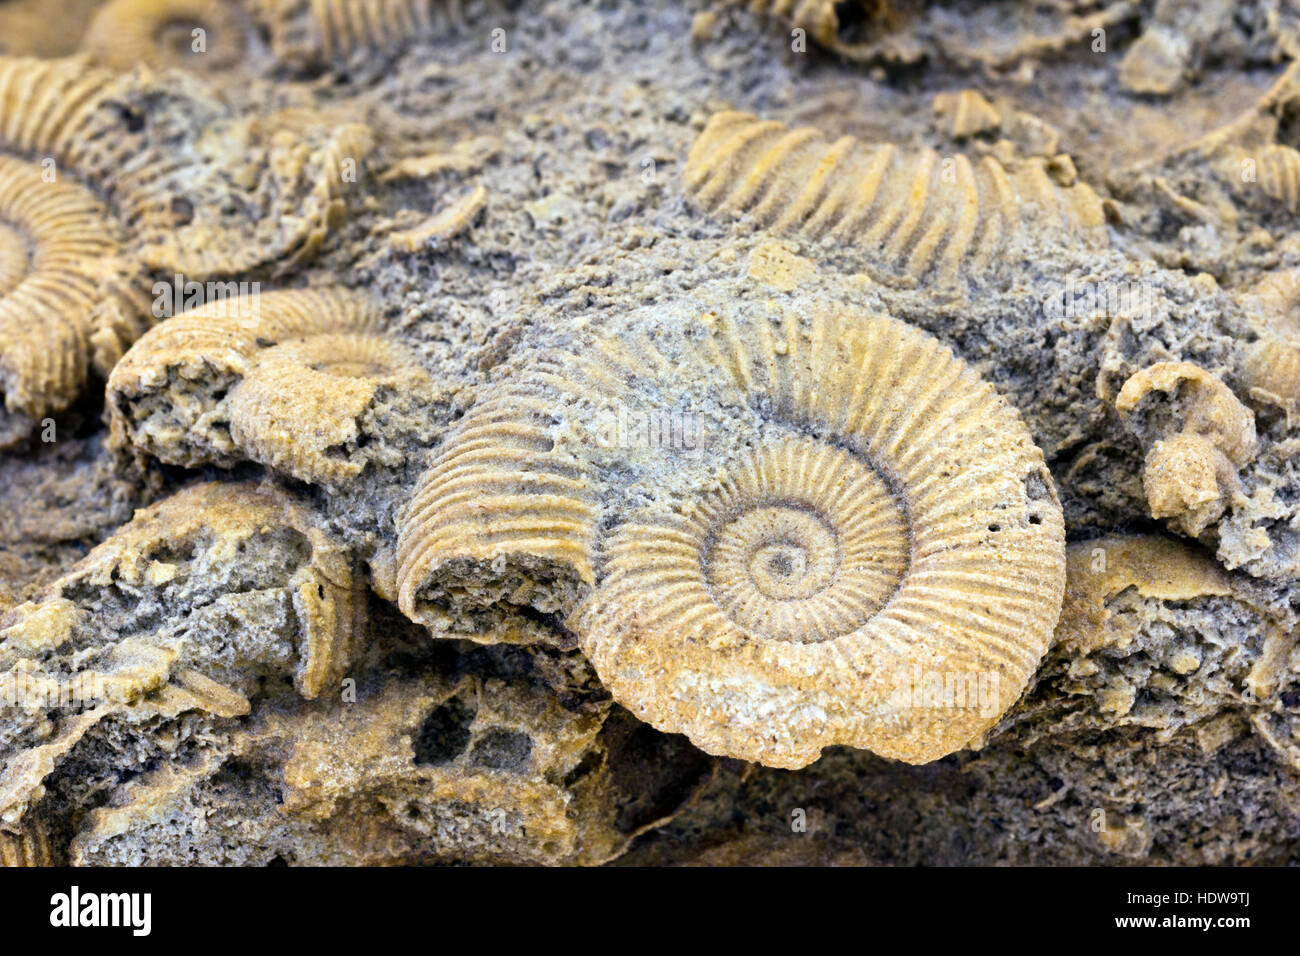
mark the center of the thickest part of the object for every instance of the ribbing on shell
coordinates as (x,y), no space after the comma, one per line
(1272,368)
(891,525)
(1278,173)
(1195,448)
(196,34)
(913,212)
(281,378)
(60,311)
(324,31)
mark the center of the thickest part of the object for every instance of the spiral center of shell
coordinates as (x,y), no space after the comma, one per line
(14,258)
(808,546)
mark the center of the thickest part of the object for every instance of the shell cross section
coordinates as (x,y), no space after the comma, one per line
(870,553)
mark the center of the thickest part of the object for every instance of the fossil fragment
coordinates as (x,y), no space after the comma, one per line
(893,518)
(203,34)
(190,606)
(416,770)
(1197,443)
(914,213)
(447,224)
(297,380)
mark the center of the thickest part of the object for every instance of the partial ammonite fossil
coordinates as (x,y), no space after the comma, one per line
(1272,368)
(65,307)
(303,381)
(1198,438)
(915,213)
(68,302)
(195,34)
(29,846)
(865,550)
(307,33)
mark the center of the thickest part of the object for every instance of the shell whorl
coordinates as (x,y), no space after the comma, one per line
(890,514)
(916,213)
(159,33)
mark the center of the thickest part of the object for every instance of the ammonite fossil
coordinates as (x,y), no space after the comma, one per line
(206,35)
(914,213)
(289,379)
(62,308)
(867,521)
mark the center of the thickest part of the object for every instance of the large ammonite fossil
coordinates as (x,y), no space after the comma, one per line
(859,545)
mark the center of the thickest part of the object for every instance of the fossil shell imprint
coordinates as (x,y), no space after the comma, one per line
(278,377)
(165,33)
(914,212)
(891,526)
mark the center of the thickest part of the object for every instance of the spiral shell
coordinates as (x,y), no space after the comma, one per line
(282,378)
(888,522)
(914,213)
(160,34)
(58,313)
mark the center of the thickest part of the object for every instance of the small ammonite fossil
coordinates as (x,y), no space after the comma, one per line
(914,213)
(869,551)
(205,35)
(289,379)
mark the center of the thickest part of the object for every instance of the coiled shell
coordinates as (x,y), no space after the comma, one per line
(886,522)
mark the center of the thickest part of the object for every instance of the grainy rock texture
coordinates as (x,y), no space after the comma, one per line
(550,432)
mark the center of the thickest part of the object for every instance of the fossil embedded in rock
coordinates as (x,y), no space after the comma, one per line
(913,212)
(202,34)
(190,606)
(417,770)
(291,379)
(1198,439)
(891,523)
